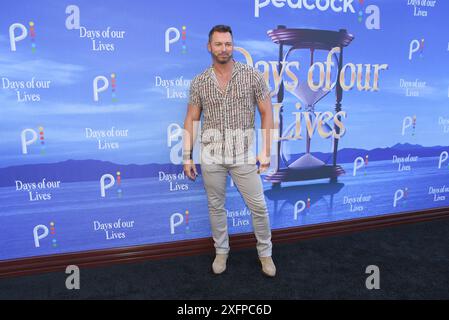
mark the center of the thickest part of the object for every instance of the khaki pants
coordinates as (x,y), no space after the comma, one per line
(248,182)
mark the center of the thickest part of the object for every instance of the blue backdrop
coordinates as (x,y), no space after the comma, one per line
(93,96)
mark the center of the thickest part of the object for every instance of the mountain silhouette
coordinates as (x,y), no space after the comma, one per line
(92,170)
(81,170)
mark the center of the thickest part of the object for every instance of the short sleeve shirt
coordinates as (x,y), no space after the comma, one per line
(228,116)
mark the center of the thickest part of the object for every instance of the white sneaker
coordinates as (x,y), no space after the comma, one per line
(268,267)
(219,265)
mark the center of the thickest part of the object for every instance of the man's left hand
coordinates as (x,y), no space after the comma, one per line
(264,163)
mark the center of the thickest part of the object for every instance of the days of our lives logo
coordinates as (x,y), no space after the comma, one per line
(38,191)
(328,124)
(114,230)
(22,87)
(175,181)
(440,193)
(107,139)
(239,218)
(421,7)
(357,203)
(405,163)
(175,88)
(413,88)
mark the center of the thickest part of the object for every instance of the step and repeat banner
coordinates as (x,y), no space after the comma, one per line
(93,96)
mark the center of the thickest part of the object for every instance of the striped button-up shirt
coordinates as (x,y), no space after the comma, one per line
(228,116)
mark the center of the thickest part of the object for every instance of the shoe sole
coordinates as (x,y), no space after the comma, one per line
(217,274)
(268,276)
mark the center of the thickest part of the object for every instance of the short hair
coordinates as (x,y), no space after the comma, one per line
(219,28)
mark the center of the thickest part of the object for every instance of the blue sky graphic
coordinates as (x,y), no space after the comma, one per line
(374,119)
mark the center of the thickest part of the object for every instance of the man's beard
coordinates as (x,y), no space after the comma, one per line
(223,59)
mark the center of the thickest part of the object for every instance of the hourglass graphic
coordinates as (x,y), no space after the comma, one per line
(304,165)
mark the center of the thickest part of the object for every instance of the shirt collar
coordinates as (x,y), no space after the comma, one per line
(237,67)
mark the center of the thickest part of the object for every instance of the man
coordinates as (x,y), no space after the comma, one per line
(226,95)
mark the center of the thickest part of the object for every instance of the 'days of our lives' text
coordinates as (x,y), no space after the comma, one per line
(23,88)
(239,218)
(356,204)
(404,163)
(114,230)
(172,178)
(420,7)
(439,193)
(175,88)
(104,137)
(96,35)
(38,191)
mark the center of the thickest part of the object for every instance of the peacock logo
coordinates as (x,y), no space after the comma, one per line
(19,32)
(177,220)
(41,232)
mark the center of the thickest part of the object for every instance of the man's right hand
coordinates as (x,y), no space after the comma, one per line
(190,169)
